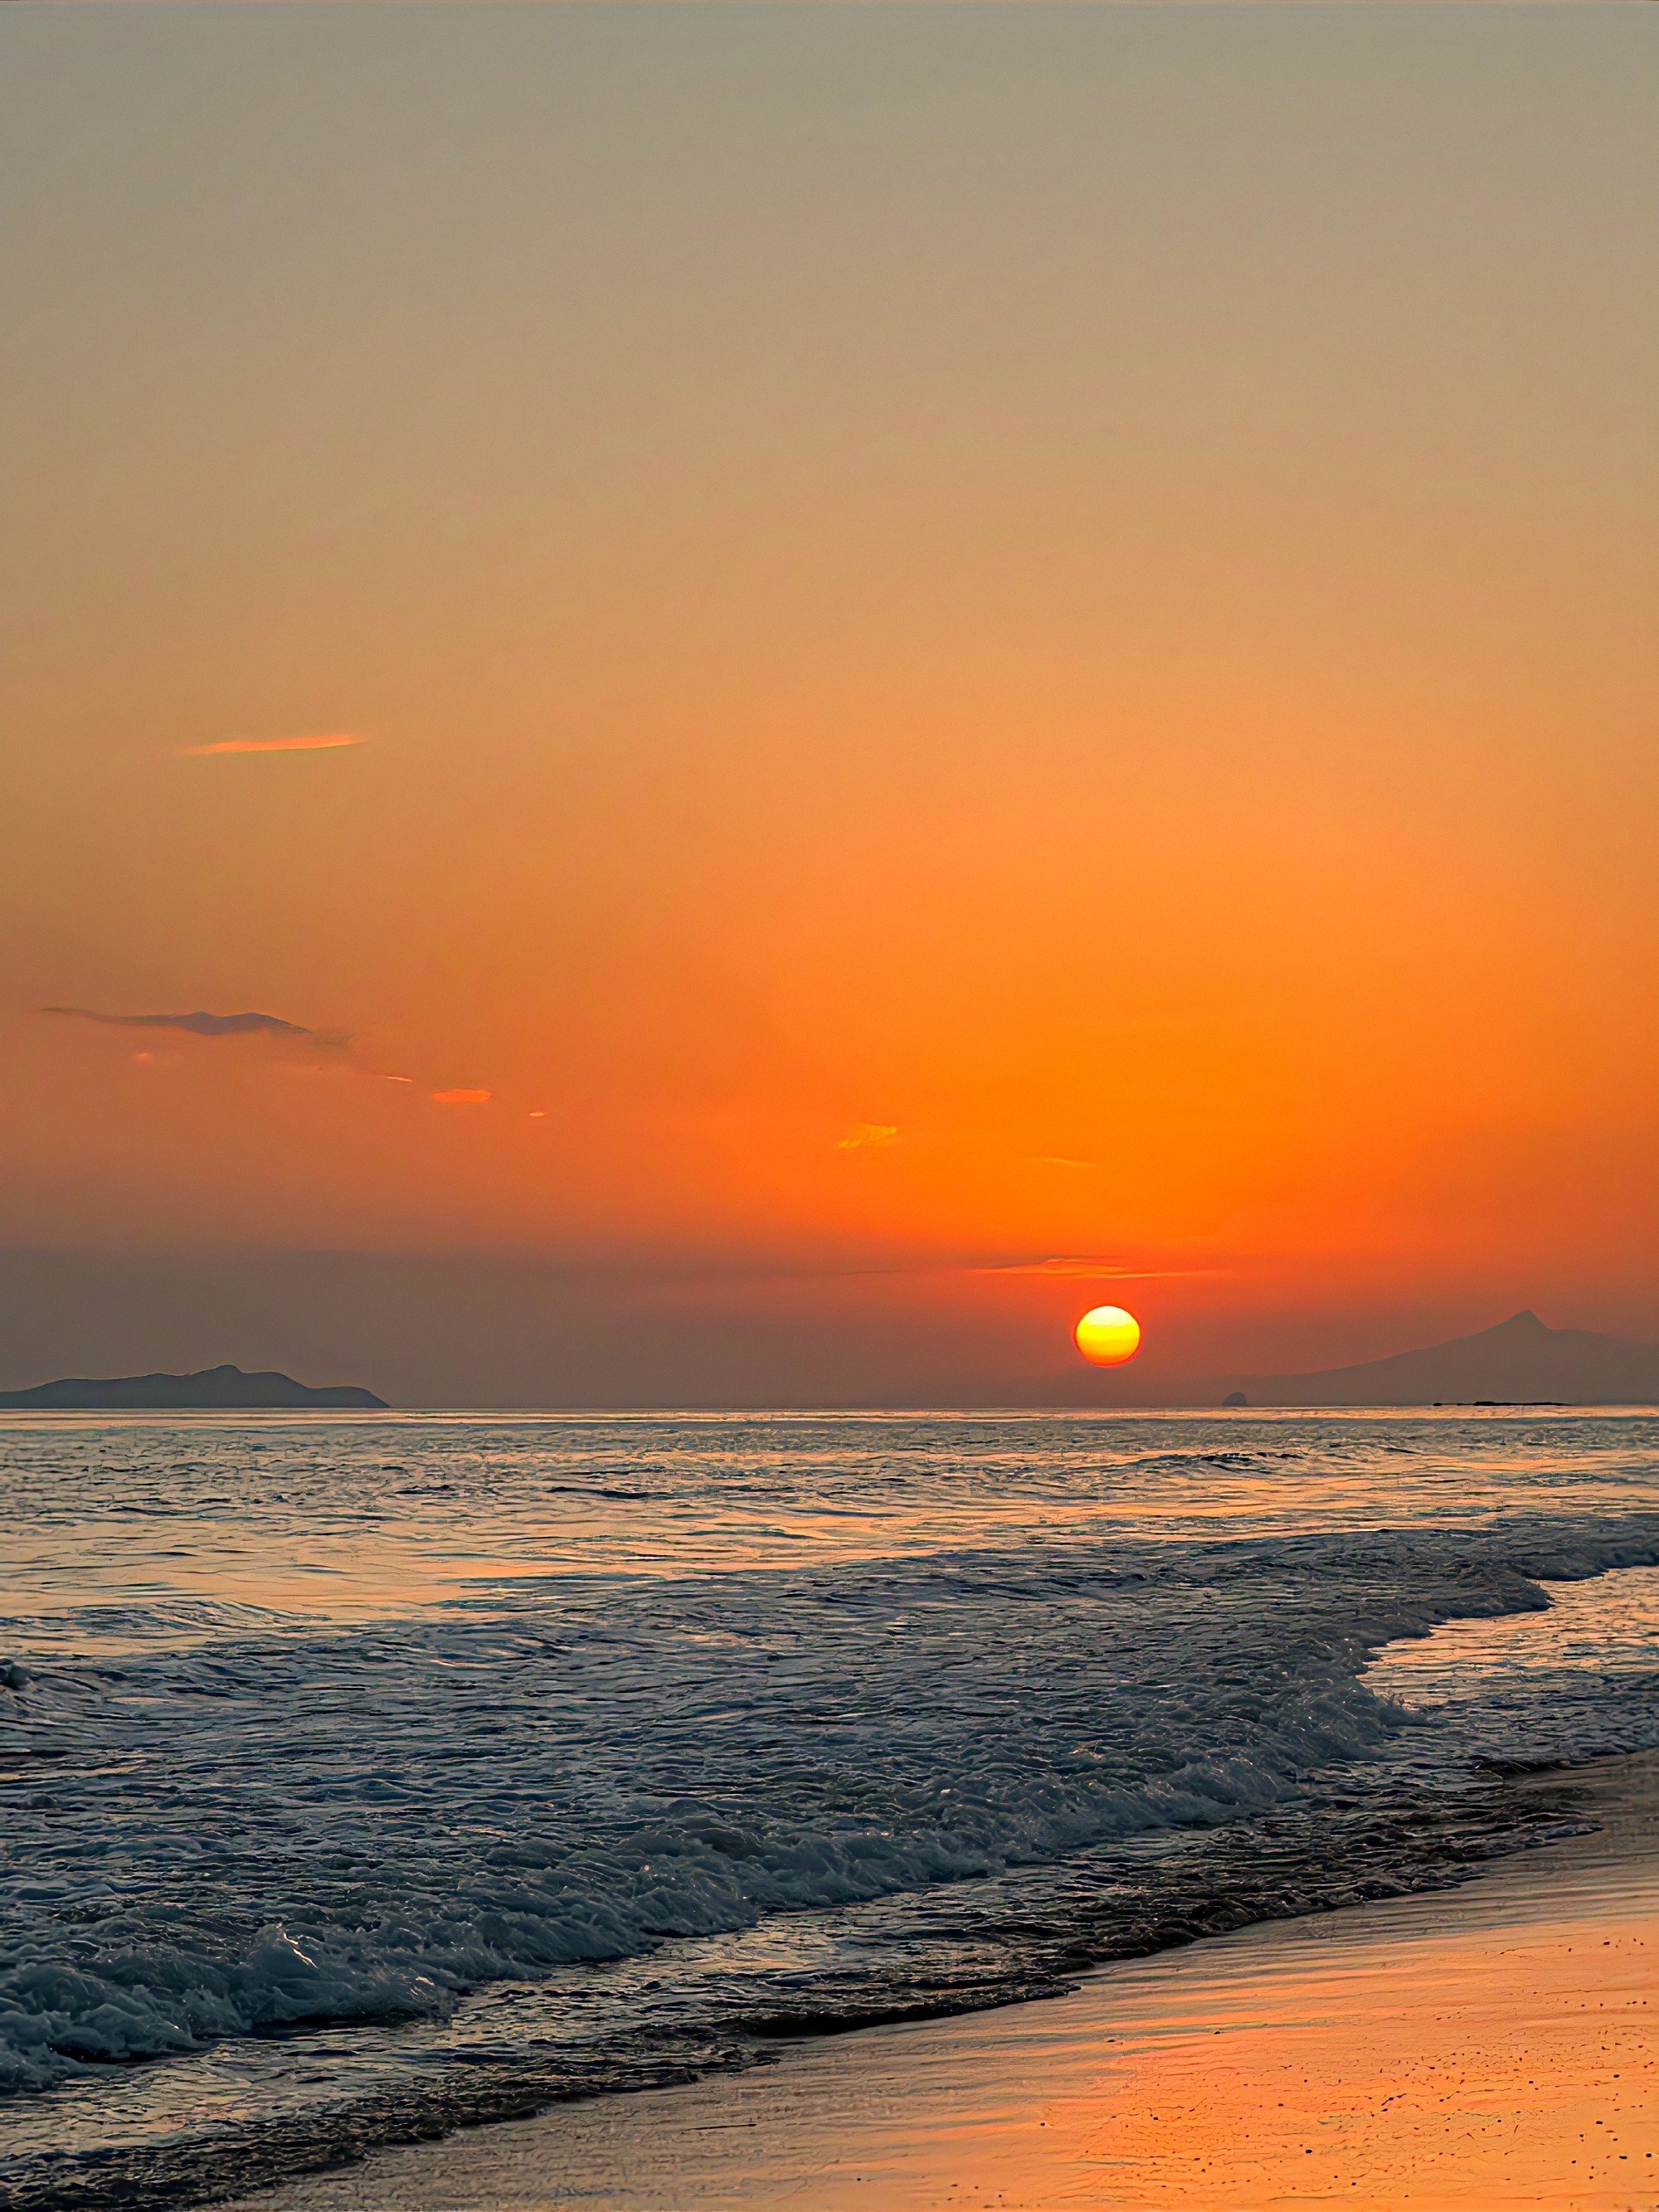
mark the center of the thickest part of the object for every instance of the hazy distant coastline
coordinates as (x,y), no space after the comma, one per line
(1519,1362)
(209,1387)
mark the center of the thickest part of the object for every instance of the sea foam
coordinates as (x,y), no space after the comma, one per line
(366,1825)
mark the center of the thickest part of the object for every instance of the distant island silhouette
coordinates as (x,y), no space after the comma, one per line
(1522,1361)
(209,1387)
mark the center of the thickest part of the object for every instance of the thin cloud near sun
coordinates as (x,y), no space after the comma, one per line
(1067,1267)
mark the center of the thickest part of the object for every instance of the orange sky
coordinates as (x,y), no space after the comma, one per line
(976,635)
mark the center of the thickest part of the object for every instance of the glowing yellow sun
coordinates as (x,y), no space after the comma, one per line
(1107,1336)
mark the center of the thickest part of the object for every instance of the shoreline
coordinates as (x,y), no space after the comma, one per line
(1475,2045)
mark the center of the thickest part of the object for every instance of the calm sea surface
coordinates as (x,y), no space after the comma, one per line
(362,1775)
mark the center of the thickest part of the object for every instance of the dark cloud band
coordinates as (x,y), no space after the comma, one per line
(196,1024)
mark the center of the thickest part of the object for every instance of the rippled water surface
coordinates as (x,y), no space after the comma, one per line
(372,1774)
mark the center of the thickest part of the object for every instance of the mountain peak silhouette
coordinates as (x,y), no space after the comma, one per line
(1520,1361)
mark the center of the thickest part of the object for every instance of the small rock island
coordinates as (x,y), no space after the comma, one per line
(209,1389)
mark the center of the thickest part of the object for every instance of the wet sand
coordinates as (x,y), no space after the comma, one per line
(1493,2045)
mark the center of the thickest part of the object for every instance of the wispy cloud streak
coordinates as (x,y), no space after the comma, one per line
(332,742)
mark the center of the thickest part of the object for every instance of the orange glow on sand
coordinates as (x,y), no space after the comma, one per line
(1107,1336)
(1460,2052)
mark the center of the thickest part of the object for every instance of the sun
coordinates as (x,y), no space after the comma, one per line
(1107,1336)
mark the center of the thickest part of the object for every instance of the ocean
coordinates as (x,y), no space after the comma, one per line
(367,1776)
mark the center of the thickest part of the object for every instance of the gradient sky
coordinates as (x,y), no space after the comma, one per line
(956,638)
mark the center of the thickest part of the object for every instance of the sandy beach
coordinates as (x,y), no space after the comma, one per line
(1488,2046)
